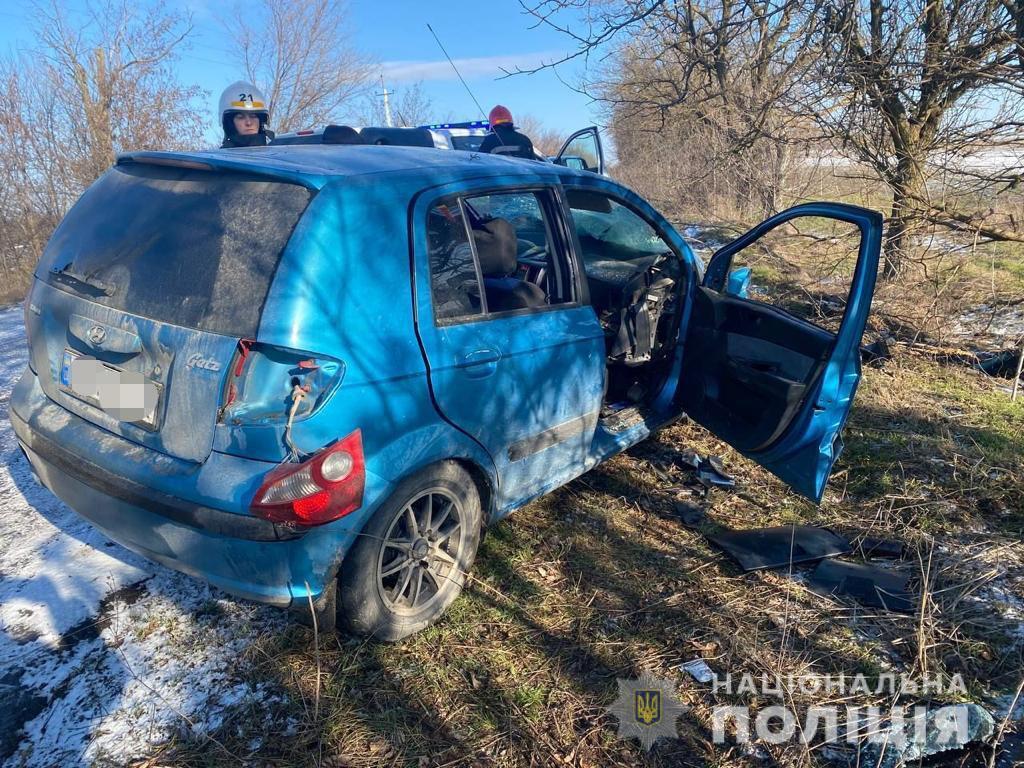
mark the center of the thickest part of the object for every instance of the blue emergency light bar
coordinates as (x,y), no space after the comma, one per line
(467,124)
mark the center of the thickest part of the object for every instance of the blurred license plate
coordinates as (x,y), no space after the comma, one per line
(125,395)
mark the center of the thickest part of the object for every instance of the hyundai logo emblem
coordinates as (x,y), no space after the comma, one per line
(96,334)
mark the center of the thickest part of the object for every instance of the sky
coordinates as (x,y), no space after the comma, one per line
(483,37)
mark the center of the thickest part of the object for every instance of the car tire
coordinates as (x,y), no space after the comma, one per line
(410,561)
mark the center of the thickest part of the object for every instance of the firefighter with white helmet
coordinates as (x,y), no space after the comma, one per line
(244,114)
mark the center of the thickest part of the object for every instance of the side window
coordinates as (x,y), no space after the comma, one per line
(522,261)
(454,281)
(581,153)
(611,235)
(804,267)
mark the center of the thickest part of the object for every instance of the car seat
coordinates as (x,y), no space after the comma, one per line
(496,249)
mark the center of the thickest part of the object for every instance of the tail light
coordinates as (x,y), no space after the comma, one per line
(325,487)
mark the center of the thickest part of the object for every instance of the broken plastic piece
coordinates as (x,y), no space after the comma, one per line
(711,473)
(688,459)
(691,515)
(876,353)
(867,584)
(698,670)
(872,547)
(756,549)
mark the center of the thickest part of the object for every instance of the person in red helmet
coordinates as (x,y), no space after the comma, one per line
(504,139)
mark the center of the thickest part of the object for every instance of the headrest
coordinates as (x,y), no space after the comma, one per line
(496,247)
(341,134)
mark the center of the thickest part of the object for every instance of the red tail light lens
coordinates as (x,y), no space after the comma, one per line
(323,488)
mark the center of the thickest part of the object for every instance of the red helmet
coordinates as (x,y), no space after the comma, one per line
(499,115)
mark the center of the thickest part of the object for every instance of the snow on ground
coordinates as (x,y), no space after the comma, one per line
(1004,323)
(104,654)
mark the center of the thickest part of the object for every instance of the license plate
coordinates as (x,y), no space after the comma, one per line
(125,395)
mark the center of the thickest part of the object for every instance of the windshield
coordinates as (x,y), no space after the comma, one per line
(182,246)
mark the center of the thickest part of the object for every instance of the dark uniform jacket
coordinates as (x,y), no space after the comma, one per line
(260,139)
(504,139)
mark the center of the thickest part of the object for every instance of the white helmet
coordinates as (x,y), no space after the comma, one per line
(242,97)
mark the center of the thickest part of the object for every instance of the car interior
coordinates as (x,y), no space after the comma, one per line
(636,284)
(505,288)
(758,363)
(635,280)
(517,263)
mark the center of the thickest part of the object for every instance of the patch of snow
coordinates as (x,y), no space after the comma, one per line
(702,240)
(1004,322)
(105,654)
(172,662)
(1008,604)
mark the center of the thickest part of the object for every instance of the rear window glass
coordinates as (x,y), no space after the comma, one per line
(469,143)
(188,247)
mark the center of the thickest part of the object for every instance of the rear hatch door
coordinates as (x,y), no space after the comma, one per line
(147,287)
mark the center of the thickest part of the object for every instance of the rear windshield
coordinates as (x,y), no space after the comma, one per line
(188,247)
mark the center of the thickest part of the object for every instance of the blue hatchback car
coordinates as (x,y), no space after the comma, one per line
(316,372)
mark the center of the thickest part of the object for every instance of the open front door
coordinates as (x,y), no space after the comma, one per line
(583,151)
(772,355)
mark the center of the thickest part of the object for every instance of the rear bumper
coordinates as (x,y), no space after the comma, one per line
(197,516)
(116,485)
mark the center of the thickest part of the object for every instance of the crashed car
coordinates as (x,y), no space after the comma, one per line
(314,374)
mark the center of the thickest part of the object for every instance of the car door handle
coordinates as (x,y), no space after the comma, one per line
(482,362)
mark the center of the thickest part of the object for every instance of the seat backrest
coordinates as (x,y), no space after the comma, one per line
(496,246)
(504,293)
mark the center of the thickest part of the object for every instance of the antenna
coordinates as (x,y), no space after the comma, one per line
(464,85)
(387,104)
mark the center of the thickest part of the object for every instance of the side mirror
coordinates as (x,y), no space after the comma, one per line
(738,283)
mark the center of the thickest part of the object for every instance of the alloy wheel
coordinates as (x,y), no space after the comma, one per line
(421,551)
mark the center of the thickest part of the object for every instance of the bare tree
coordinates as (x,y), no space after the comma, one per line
(545,140)
(724,69)
(913,87)
(301,53)
(96,84)
(112,71)
(410,106)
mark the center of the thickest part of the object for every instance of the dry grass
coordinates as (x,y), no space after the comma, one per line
(599,581)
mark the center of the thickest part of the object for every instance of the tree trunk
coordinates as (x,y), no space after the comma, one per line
(772,196)
(907,189)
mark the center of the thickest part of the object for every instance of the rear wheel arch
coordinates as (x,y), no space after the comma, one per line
(484,486)
(363,608)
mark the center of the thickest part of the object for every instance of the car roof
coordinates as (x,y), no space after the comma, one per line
(317,164)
